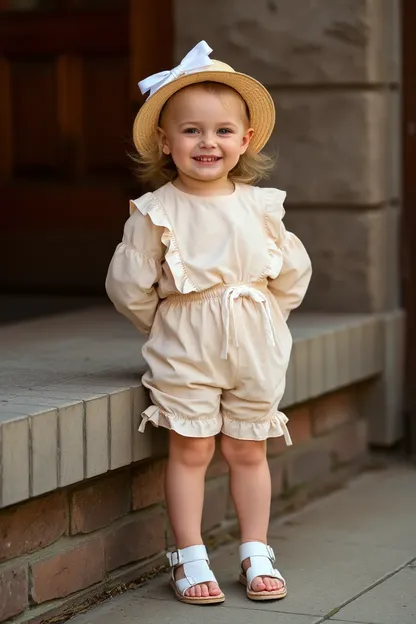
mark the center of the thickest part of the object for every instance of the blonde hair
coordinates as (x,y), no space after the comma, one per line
(157,168)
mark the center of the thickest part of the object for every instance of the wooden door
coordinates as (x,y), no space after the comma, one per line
(68,83)
(409,214)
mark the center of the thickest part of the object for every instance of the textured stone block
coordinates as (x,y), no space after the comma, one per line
(343,355)
(356,348)
(349,443)
(309,465)
(394,145)
(277,446)
(64,573)
(32,525)
(300,424)
(383,401)
(215,503)
(301,362)
(100,503)
(276,466)
(14,446)
(330,368)
(13,592)
(295,41)
(331,146)
(121,409)
(218,466)
(136,539)
(148,484)
(289,397)
(44,434)
(349,252)
(392,36)
(96,425)
(392,259)
(142,442)
(317,371)
(71,443)
(332,411)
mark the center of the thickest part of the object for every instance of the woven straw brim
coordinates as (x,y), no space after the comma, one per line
(258,99)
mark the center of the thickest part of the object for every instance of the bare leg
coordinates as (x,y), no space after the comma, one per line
(184,485)
(251,493)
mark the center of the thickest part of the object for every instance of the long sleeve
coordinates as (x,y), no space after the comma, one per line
(290,286)
(135,268)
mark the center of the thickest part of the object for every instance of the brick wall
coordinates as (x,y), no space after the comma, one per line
(60,549)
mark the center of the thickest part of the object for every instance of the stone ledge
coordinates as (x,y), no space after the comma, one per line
(71,397)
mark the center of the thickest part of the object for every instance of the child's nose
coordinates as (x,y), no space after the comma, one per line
(209,140)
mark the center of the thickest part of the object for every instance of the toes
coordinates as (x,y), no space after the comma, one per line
(203,591)
(258,584)
(272,584)
(213,589)
(192,592)
(266,583)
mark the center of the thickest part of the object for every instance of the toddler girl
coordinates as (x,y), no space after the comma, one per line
(207,271)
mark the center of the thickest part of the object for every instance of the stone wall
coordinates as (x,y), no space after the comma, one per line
(333,68)
(82,543)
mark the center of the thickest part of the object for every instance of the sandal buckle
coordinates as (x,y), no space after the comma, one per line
(270,552)
(175,558)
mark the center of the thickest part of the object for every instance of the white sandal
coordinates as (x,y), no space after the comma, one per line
(261,564)
(195,566)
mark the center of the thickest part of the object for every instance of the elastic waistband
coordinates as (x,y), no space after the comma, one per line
(215,292)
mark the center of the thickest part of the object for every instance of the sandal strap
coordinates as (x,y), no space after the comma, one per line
(261,560)
(187,555)
(256,549)
(196,572)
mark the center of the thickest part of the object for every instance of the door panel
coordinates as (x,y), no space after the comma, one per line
(66,112)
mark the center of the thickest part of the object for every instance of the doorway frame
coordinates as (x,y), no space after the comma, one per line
(408,230)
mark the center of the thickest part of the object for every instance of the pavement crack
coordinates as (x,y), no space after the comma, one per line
(336,610)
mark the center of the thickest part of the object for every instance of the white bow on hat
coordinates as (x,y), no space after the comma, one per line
(197,58)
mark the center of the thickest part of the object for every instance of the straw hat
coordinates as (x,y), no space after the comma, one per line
(196,67)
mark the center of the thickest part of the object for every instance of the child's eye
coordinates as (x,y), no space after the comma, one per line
(190,130)
(224,131)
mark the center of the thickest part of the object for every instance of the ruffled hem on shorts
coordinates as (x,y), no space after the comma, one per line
(272,427)
(189,428)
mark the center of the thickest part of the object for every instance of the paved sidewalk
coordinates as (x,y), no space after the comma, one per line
(350,557)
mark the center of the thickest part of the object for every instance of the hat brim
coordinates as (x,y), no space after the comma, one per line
(259,102)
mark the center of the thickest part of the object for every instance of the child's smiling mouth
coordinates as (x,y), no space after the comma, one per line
(207,159)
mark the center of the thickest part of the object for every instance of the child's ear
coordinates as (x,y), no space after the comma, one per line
(246,140)
(163,141)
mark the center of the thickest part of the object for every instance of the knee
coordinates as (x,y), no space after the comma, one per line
(191,452)
(243,452)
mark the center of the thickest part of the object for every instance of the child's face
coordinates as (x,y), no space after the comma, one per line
(205,132)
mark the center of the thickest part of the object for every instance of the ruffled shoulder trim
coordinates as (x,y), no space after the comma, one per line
(142,204)
(150,205)
(272,200)
(274,210)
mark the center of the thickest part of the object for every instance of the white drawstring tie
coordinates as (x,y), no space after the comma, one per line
(230,295)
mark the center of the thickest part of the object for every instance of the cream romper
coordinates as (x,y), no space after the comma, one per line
(211,281)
